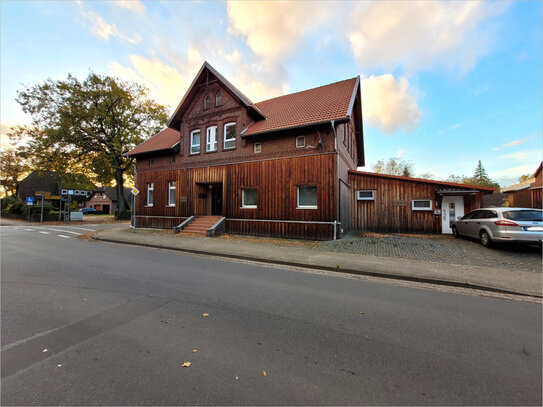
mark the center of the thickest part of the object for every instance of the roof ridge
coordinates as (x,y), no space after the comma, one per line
(307,90)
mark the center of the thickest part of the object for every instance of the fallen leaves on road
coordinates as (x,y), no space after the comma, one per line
(59,365)
(194,350)
(264,373)
(186,364)
(45,350)
(205,314)
(362,312)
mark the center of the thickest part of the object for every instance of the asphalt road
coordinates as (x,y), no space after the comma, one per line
(103,324)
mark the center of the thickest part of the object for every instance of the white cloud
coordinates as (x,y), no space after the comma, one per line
(275,28)
(389,104)
(136,6)
(530,155)
(420,34)
(104,30)
(515,172)
(511,144)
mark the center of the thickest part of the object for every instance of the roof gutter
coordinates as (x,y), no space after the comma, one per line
(340,120)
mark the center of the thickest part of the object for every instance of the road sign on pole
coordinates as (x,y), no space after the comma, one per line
(135,191)
(29,200)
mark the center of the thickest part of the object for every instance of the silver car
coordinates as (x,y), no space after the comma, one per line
(521,225)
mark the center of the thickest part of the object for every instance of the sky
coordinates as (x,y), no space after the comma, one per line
(444,83)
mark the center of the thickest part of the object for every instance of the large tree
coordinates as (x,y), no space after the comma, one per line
(13,166)
(91,123)
(480,177)
(394,166)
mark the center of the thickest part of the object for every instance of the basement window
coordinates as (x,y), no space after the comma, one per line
(258,148)
(307,197)
(300,141)
(365,195)
(421,204)
(248,198)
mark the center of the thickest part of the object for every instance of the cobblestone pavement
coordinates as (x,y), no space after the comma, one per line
(439,249)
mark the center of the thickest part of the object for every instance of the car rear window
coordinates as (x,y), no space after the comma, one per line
(524,215)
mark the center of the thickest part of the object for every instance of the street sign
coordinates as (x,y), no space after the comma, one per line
(29,200)
(135,191)
(42,193)
(70,192)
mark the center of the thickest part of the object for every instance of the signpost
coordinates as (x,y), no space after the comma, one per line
(29,200)
(42,194)
(135,191)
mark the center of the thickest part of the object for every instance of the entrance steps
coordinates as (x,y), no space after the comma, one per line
(200,225)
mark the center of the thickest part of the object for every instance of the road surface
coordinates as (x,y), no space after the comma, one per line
(95,323)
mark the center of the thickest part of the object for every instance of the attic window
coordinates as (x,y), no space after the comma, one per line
(258,148)
(172,158)
(206,102)
(300,141)
(150,162)
(218,98)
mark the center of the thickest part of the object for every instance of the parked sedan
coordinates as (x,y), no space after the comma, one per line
(489,225)
(90,211)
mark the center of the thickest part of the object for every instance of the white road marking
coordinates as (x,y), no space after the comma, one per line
(62,230)
(75,227)
(64,236)
(45,233)
(29,230)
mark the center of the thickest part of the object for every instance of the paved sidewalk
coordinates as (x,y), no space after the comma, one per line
(306,254)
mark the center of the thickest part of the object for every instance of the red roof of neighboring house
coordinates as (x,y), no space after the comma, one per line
(164,140)
(312,106)
(427,181)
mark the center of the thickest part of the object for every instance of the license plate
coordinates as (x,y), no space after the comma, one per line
(534,228)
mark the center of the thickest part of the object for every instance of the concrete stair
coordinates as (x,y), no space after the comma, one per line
(199,225)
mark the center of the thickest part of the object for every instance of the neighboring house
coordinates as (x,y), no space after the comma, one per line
(281,167)
(105,199)
(536,188)
(54,185)
(519,195)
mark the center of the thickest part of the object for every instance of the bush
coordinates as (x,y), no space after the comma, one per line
(36,209)
(11,204)
(125,215)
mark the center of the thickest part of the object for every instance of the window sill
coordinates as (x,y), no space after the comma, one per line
(422,209)
(210,151)
(228,148)
(248,207)
(147,206)
(190,154)
(307,207)
(170,206)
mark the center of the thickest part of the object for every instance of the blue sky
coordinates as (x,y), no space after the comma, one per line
(444,84)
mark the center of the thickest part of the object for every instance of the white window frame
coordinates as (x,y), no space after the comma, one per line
(359,198)
(192,145)
(302,138)
(171,187)
(298,206)
(230,139)
(211,145)
(150,193)
(243,199)
(421,209)
(257,148)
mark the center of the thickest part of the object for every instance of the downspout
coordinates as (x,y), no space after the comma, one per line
(332,123)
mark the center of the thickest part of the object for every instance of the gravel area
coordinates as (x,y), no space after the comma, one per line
(439,249)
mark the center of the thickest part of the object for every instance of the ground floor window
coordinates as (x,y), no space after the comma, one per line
(307,197)
(421,204)
(248,198)
(171,193)
(150,191)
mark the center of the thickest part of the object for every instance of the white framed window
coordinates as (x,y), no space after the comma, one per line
(421,204)
(249,198)
(300,141)
(257,148)
(229,136)
(365,195)
(150,192)
(218,98)
(211,138)
(307,197)
(195,142)
(171,193)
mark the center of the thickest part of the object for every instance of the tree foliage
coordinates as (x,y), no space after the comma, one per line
(394,166)
(525,177)
(13,166)
(88,125)
(480,177)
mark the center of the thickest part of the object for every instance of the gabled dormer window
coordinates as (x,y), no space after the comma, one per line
(206,102)
(218,98)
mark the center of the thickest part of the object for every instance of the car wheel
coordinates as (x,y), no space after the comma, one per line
(485,239)
(455,231)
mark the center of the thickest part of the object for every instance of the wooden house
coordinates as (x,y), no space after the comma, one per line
(282,167)
(105,199)
(536,188)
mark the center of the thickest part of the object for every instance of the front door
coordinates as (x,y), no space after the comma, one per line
(452,208)
(216,200)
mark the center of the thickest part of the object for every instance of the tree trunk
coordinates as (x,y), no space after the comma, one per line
(120,194)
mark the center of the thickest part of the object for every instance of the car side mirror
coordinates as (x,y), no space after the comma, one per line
(459,218)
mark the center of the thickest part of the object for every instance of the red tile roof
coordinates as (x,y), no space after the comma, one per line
(164,140)
(424,180)
(317,105)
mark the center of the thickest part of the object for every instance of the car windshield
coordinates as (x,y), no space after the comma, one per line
(524,215)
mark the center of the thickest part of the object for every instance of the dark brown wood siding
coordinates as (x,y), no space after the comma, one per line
(276,182)
(391,210)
